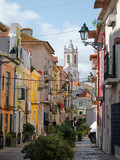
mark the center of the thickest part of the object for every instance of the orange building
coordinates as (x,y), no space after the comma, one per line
(7,88)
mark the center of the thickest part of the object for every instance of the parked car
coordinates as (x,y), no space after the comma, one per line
(92,132)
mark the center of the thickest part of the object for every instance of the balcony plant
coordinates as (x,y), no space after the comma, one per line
(11,139)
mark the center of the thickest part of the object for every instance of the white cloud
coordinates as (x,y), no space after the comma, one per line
(12,12)
(58,42)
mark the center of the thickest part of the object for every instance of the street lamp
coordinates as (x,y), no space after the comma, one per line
(84,35)
(13,53)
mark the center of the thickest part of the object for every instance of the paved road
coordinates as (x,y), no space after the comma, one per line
(85,150)
(12,153)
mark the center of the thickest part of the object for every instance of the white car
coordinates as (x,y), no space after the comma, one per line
(92,132)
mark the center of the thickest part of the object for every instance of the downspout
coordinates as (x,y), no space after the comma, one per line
(14,113)
(98,90)
(0,79)
(103,76)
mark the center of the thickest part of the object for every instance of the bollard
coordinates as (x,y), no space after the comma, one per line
(1,141)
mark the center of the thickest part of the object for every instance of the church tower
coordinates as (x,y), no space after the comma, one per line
(71,61)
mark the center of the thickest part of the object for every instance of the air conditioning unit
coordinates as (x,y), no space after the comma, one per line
(110,20)
(21,94)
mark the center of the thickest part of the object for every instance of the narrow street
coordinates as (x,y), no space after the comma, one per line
(84,150)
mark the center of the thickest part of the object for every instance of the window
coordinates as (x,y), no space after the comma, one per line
(75,59)
(68,59)
(35,90)
(74,88)
(20,80)
(89,102)
(7,88)
(6,124)
(11,122)
(3,82)
(80,112)
(80,103)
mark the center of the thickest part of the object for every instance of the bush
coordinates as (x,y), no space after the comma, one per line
(11,135)
(83,128)
(28,129)
(68,121)
(68,134)
(50,147)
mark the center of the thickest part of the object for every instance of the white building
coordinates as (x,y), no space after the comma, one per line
(109,124)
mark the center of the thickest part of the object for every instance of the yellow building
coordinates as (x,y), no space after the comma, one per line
(35,98)
(55,107)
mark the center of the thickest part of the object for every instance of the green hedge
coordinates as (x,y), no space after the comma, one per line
(50,147)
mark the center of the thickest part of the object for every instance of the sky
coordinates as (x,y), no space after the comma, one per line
(55,21)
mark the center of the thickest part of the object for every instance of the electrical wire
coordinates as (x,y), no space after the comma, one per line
(35,80)
(51,6)
(52,34)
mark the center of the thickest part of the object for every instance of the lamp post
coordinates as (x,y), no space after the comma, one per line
(12,55)
(84,35)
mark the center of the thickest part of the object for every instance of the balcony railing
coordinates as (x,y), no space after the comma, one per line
(110,69)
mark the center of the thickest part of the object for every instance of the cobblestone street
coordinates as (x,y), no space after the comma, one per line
(12,153)
(84,150)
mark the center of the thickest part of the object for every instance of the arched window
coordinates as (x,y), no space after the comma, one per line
(75,59)
(68,59)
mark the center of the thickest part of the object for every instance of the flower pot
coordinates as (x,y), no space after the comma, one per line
(8,142)
(79,137)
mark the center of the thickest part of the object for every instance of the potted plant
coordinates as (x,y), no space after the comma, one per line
(1,133)
(1,139)
(28,131)
(11,139)
(79,134)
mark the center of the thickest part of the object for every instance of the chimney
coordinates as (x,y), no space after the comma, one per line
(28,31)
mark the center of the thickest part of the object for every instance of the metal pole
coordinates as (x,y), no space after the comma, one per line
(26,107)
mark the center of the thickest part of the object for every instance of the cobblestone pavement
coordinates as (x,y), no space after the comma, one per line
(85,150)
(12,153)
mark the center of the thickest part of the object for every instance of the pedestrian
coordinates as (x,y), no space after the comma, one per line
(54,122)
(47,124)
(73,124)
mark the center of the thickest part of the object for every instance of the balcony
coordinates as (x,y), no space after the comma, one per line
(47,100)
(47,74)
(9,107)
(110,70)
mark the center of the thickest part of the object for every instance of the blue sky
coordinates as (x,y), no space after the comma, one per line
(48,17)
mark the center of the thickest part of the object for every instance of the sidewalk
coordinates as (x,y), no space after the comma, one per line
(85,150)
(12,153)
